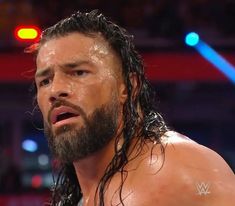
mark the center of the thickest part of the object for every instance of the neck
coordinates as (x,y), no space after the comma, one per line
(91,169)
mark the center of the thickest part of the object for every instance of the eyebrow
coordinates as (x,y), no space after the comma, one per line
(42,72)
(69,65)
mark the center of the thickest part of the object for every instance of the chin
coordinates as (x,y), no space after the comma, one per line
(64,129)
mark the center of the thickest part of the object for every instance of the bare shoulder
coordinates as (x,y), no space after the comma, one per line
(186,173)
(194,157)
(196,172)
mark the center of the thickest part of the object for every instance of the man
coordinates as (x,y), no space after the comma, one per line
(101,123)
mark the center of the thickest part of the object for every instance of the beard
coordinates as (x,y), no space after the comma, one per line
(70,144)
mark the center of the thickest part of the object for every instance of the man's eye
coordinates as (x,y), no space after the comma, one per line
(44,82)
(80,72)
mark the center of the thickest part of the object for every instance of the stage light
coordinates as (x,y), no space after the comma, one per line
(27,33)
(36,181)
(192,39)
(29,145)
(216,59)
(43,160)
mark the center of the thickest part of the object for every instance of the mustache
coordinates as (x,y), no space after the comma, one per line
(61,102)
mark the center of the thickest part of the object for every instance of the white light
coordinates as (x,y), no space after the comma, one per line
(43,160)
(29,145)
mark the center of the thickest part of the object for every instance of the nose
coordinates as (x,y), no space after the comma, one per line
(60,88)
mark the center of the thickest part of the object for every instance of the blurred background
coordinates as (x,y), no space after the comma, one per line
(196,92)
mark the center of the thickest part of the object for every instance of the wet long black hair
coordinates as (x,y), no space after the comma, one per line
(150,125)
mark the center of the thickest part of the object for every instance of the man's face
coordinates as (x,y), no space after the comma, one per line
(80,92)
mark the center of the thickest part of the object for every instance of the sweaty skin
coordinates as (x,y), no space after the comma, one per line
(86,72)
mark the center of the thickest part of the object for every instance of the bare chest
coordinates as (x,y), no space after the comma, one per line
(128,193)
(139,191)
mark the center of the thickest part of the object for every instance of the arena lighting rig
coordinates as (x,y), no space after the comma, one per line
(30,33)
(193,39)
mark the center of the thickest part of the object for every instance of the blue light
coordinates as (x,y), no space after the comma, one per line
(192,39)
(29,145)
(216,59)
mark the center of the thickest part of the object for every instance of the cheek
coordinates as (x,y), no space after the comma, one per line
(98,94)
(93,95)
(109,93)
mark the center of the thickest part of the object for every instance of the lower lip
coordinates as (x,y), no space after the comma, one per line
(66,121)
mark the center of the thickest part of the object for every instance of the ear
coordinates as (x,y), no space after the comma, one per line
(122,93)
(135,85)
(123,90)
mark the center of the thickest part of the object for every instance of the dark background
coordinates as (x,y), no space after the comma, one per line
(194,98)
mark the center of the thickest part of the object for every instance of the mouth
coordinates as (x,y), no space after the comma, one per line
(63,114)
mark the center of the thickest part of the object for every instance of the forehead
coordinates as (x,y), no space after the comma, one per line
(76,46)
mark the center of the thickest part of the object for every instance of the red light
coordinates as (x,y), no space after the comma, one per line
(27,33)
(36,181)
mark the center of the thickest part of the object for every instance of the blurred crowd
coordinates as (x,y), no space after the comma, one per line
(10,175)
(153,18)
